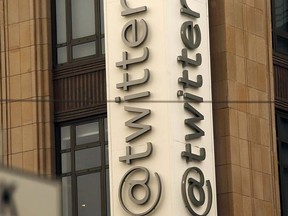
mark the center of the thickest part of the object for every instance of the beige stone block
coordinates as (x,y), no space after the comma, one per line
(28,161)
(242,98)
(260,23)
(250,51)
(254,133)
(265,128)
(220,94)
(230,39)
(25,34)
(259,207)
(46,163)
(233,123)
(14,36)
(231,66)
(261,5)
(26,85)
(14,62)
(258,188)
(256,157)
(250,19)
(232,95)
(261,50)
(253,101)
(236,179)
(237,205)
(264,106)
(219,66)
(243,125)
(229,13)
(246,180)
(218,38)
(223,181)
(24,10)
(245,156)
(17,160)
(267,185)
(15,114)
(252,73)
(224,203)
(247,206)
(220,151)
(27,112)
(29,137)
(13,12)
(221,122)
(25,59)
(266,160)
(262,77)
(239,42)
(216,8)
(15,87)
(249,2)
(233,150)
(16,140)
(240,69)
(238,14)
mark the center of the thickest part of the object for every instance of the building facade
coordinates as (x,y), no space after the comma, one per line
(54,100)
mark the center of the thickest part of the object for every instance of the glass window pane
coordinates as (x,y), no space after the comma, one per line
(66,162)
(83,50)
(282,45)
(89,195)
(284,129)
(281,15)
(88,158)
(106,155)
(61,21)
(66,196)
(83,18)
(62,55)
(284,153)
(87,133)
(65,137)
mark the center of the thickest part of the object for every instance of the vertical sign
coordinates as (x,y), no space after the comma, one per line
(159,108)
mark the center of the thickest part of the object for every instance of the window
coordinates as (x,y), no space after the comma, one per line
(282,142)
(79,30)
(280,26)
(82,165)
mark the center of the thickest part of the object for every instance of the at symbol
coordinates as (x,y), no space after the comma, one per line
(189,192)
(127,181)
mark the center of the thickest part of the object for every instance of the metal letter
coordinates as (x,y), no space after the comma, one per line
(186,10)
(189,83)
(193,157)
(136,96)
(126,62)
(129,11)
(132,184)
(187,35)
(191,97)
(196,185)
(7,203)
(128,158)
(187,61)
(135,42)
(126,83)
(191,122)
(131,123)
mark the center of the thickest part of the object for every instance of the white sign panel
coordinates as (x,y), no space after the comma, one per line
(23,194)
(160,110)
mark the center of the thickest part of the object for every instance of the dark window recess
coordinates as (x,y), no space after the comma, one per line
(82,165)
(282,143)
(280,26)
(79,30)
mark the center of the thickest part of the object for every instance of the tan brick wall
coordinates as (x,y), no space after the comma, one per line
(26,126)
(246,159)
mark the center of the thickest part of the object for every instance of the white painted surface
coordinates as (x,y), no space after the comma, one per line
(167,113)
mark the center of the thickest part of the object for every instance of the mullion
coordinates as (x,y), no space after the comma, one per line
(97,17)
(73,173)
(69,29)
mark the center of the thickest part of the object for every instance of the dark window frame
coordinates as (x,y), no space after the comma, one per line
(281,166)
(70,42)
(102,169)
